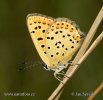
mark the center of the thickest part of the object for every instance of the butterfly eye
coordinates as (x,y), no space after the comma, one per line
(45,66)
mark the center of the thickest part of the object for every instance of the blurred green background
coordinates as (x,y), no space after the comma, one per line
(16,47)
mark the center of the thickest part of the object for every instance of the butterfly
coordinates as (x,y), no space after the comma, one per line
(56,40)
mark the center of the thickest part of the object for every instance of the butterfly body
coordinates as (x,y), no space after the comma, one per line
(56,40)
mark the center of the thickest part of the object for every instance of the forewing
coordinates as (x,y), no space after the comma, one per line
(37,26)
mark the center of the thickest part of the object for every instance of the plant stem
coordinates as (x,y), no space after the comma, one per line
(98,89)
(72,69)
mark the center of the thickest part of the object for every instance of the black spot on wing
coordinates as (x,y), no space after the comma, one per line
(66,48)
(51,55)
(57,53)
(44,23)
(42,46)
(63,54)
(43,31)
(77,41)
(52,38)
(36,28)
(48,37)
(59,42)
(62,45)
(40,38)
(62,23)
(56,44)
(70,40)
(48,47)
(72,46)
(30,24)
(44,52)
(60,31)
(56,32)
(33,32)
(58,47)
(35,22)
(39,22)
(68,35)
(39,27)
(63,36)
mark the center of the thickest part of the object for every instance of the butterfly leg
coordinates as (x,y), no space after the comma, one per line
(63,74)
(58,78)
(58,72)
(72,64)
